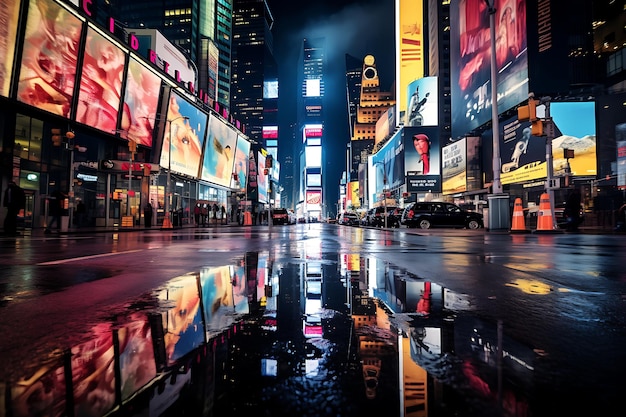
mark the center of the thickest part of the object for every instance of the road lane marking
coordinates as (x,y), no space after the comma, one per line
(82,258)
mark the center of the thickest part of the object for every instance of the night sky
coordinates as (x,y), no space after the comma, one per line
(350,27)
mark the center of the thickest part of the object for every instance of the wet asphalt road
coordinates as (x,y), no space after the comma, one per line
(501,324)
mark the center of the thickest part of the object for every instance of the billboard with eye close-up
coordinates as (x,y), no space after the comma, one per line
(217,166)
(9,12)
(186,124)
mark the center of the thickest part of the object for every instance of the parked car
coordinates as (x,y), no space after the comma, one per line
(438,214)
(376,216)
(348,219)
(394,217)
(279,216)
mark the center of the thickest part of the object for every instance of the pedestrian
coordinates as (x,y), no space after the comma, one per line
(224,219)
(197,210)
(147,215)
(81,210)
(214,215)
(14,200)
(572,210)
(56,204)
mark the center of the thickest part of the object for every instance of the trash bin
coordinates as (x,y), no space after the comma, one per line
(175,218)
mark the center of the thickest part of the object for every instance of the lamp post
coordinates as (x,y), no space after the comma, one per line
(498,202)
(167,221)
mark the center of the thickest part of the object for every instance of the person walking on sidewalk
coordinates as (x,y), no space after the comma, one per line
(56,203)
(14,200)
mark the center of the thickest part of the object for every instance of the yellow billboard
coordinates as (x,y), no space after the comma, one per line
(409,48)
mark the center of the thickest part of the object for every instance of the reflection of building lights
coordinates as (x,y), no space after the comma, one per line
(32,177)
(530,286)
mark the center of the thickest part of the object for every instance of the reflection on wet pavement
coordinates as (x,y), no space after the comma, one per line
(335,337)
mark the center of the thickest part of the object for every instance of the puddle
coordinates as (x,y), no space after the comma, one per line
(349,336)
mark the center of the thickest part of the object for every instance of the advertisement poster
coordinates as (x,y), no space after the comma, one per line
(523,156)
(262,180)
(101,83)
(470,60)
(187,126)
(421,159)
(389,163)
(219,153)
(620,136)
(49,60)
(141,101)
(453,168)
(252,177)
(422,106)
(9,10)
(241,165)
(410,41)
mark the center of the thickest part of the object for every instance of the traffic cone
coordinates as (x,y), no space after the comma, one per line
(167,223)
(517,224)
(247,219)
(545,219)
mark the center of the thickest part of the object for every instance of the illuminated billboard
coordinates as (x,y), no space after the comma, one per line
(9,11)
(49,59)
(385,125)
(453,168)
(313,180)
(270,89)
(313,156)
(219,153)
(524,155)
(187,126)
(141,101)
(270,132)
(421,159)
(389,163)
(410,45)
(313,87)
(101,83)
(262,181)
(470,60)
(241,164)
(620,141)
(422,106)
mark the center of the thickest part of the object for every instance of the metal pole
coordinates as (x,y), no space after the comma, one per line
(497,184)
(130,175)
(549,130)
(167,223)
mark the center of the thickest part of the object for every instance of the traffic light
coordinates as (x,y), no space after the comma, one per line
(57,138)
(132,146)
(536,128)
(528,113)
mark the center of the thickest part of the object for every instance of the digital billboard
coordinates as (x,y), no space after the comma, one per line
(187,126)
(270,89)
(385,125)
(141,100)
(470,60)
(101,83)
(524,156)
(620,141)
(262,181)
(389,161)
(421,159)
(453,168)
(313,156)
(50,56)
(422,106)
(219,153)
(270,132)
(9,12)
(241,164)
(410,45)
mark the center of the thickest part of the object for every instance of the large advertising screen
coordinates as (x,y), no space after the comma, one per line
(241,164)
(141,100)
(49,60)
(453,168)
(422,106)
(262,181)
(187,125)
(410,32)
(9,11)
(101,83)
(524,156)
(421,159)
(219,153)
(389,163)
(620,141)
(470,60)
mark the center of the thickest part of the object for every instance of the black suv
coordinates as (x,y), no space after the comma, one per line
(280,216)
(434,214)
(376,216)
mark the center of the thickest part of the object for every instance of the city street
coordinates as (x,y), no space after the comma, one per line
(312,320)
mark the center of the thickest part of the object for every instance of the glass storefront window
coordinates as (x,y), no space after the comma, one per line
(28,138)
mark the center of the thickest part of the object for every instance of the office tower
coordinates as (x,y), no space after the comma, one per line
(354,66)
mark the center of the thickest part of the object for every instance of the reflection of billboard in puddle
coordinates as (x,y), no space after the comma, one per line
(39,393)
(217,298)
(182,322)
(93,373)
(136,358)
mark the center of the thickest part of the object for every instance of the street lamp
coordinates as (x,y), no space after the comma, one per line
(167,221)
(498,202)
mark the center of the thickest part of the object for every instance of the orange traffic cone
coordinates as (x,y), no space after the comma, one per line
(247,219)
(517,224)
(167,223)
(545,219)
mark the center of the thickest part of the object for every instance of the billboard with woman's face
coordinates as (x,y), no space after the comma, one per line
(187,126)
(241,164)
(51,45)
(100,83)
(9,12)
(470,60)
(141,100)
(217,166)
